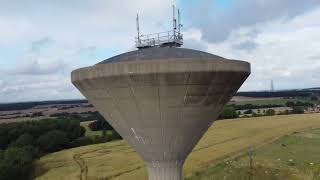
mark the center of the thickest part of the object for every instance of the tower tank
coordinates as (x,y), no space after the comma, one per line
(161,100)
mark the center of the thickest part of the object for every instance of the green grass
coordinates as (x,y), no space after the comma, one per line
(294,156)
(230,172)
(225,139)
(89,132)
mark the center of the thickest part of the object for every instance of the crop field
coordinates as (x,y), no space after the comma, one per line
(226,139)
(294,156)
(244,98)
(239,100)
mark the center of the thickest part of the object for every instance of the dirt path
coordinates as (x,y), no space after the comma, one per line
(77,157)
(83,167)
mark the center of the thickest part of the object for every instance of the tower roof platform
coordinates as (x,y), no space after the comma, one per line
(158,53)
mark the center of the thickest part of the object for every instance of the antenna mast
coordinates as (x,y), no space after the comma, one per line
(138,27)
(174,21)
(179,23)
(172,38)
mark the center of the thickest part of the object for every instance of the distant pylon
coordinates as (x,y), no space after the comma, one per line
(271,86)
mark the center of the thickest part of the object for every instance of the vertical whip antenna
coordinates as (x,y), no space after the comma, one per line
(174,17)
(179,23)
(138,27)
(174,21)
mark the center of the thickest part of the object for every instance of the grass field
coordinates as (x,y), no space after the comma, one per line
(89,132)
(239,100)
(225,139)
(294,156)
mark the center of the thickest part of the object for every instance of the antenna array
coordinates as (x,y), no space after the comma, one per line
(173,38)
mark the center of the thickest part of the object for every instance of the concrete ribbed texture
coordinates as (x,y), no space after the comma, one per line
(162,105)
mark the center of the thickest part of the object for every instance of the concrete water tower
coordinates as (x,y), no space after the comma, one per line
(161,98)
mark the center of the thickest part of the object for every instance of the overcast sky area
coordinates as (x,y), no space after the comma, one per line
(41,42)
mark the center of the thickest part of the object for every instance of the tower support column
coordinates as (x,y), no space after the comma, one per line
(165,170)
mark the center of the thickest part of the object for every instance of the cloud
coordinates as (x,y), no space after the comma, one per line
(282,52)
(246,45)
(37,88)
(192,40)
(217,25)
(53,38)
(39,44)
(34,67)
(315,58)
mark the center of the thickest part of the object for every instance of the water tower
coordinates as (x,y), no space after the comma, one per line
(161,98)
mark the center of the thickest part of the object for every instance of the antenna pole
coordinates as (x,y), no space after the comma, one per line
(179,23)
(138,28)
(174,22)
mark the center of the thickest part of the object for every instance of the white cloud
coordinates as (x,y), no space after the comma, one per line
(283,52)
(217,25)
(58,37)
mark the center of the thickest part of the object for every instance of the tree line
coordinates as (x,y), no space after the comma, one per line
(22,142)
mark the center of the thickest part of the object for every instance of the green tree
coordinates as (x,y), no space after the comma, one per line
(298,110)
(4,139)
(115,135)
(254,114)
(24,140)
(290,104)
(228,113)
(270,112)
(81,141)
(52,141)
(16,163)
(249,111)
(314,98)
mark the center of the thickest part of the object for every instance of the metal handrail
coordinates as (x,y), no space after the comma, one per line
(157,39)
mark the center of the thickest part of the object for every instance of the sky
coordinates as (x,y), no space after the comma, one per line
(41,42)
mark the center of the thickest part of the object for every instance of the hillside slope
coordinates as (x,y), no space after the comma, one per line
(116,160)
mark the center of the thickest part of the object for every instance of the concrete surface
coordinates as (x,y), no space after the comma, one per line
(162,103)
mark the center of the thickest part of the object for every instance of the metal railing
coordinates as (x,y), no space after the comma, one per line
(168,38)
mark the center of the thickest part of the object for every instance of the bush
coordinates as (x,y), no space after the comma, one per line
(255,114)
(314,98)
(290,103)
(100,124)
(52,141)
(285,112)
(298,110)
(270,112)
(249,111)
(115,135)
(81,141)
(228,113)
(100,139)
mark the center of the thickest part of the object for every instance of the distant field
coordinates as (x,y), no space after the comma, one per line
(244,98)
(240,100)
(116,160)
